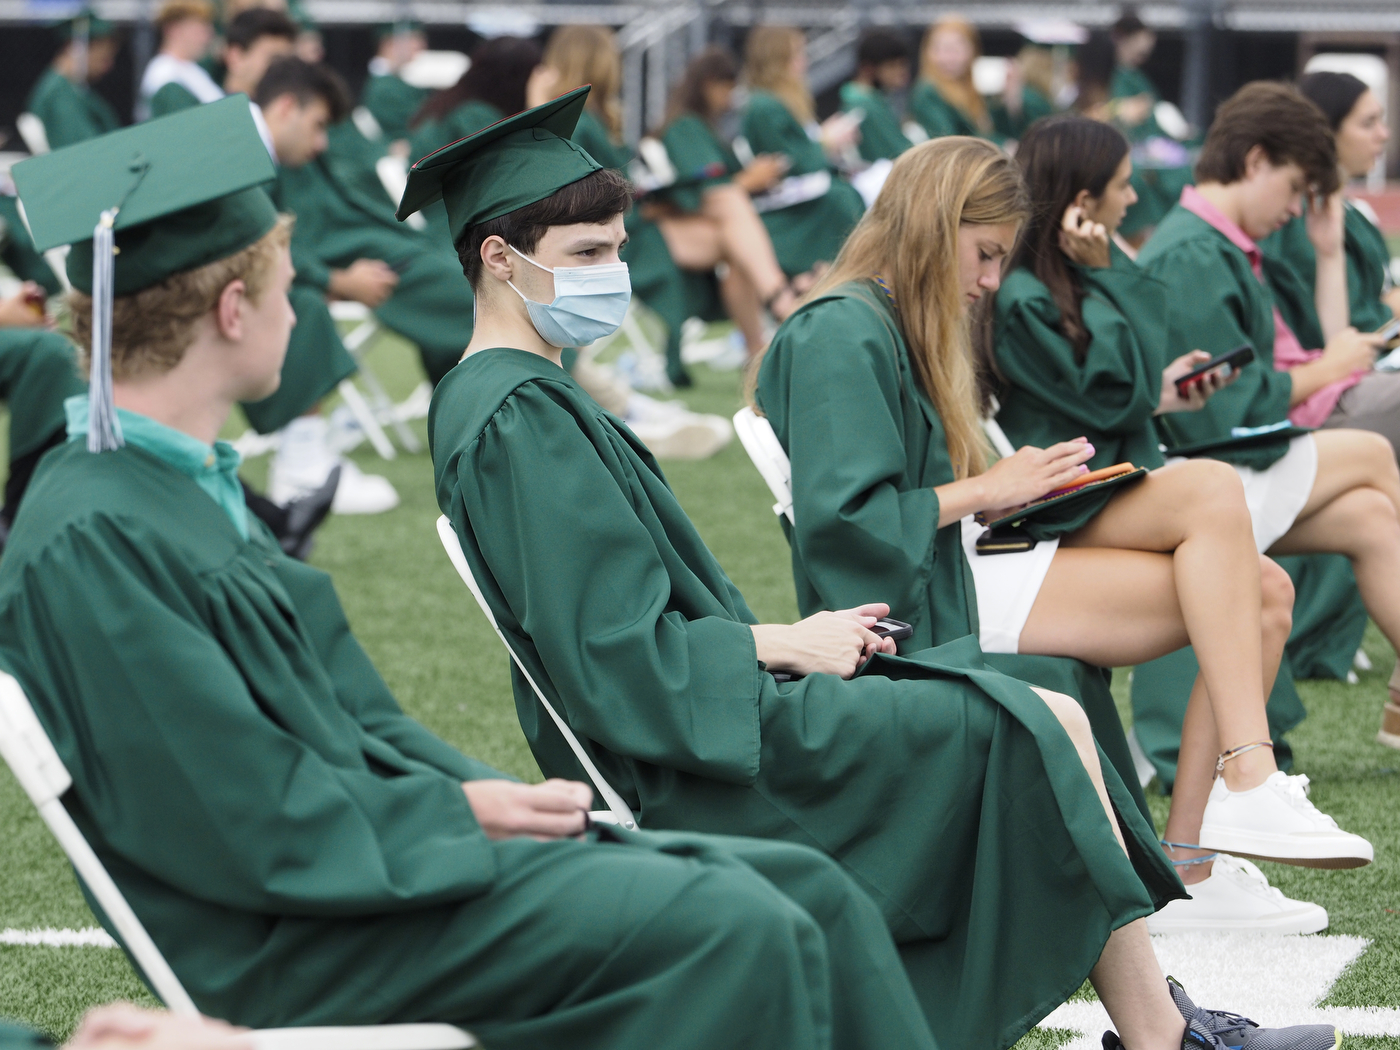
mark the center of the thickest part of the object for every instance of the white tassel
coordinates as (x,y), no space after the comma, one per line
(104,429)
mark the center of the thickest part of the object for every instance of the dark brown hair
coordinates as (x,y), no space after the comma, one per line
(306,82)
(595,198)
(1333,93)
(1059,157)
(713,65)
(1281,122)
(248,27)
(497,76)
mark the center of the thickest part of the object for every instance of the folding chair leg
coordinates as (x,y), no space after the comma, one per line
(355,401)
(383,406)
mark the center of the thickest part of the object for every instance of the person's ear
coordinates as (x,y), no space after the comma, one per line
(1255,161)
(495,260)
(228,311)
(1084,201)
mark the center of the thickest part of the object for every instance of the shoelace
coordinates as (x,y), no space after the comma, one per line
(1295,789)
(1247,872)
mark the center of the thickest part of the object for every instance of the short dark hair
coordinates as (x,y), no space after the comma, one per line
(1281,122)
(248,26)
(308,82)
(1333,93)
(1129,23)
(880,45)
(710,66)
(595,198)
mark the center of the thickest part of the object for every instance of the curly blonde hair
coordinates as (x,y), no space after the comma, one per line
(152,328)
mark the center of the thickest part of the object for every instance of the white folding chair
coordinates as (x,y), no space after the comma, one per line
(618,812)
(32,130)
(766,451)
(374,411)
(30,754)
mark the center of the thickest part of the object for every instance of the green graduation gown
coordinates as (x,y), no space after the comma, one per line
(392,101)
(17,249)
(16,1037)
(701,160)
(1034,105)
(302,852)
(937,116)
(1000,906)
(1291,268)
(70,113)
(881,137)
(38,371)
(656,280)
(867,448)
(1047,395)
(813,231)
(171,98)
(343,214)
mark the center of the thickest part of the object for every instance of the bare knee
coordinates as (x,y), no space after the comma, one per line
(1276,593)
(1373,518)
(1216,486)
(1069,714)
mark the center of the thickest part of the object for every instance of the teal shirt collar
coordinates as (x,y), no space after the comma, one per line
(214,468)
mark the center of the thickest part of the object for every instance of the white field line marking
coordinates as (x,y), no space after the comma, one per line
(92,937)
(1277,981)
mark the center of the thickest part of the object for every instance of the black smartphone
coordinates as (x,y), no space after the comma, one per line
(895,629)
(1003,541)
(1227,363)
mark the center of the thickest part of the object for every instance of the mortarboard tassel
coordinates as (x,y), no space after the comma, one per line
(104,429)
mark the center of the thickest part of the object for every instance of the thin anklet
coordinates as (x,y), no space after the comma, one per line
(1235,752)
(1193,860)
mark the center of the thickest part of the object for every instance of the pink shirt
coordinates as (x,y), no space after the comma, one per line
(1288,352)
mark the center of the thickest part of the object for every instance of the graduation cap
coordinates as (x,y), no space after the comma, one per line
(85,25)
(503,167)
(403,26)
(142,204)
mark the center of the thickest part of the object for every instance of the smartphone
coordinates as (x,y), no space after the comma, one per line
(1226,363)
(999,542)
(1389,331)
(895,629)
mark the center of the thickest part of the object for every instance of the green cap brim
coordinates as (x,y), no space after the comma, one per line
(185,186)
(506,166)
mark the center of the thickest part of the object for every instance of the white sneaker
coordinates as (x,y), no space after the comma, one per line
(1237,896)
(671,431)
(1275,821)
(305,460)
(360,493)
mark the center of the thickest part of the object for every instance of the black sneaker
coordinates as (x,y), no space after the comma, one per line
(1240,1033)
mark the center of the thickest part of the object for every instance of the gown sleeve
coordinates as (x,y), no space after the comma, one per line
(832,390)
(1216,306)
(359,687)
(590,588)
(189,758)
(1113,390)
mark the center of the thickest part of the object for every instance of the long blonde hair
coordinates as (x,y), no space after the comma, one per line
(961,92)
(910,238)
(588,55)
(768,55)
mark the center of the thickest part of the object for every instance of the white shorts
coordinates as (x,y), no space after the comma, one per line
(1276,496)
(1007,585)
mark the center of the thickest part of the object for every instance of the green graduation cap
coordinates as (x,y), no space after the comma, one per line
(144,203)
(85,25)
(512,163)
(384,30)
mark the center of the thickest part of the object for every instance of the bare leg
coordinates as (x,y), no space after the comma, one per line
(692,240)
(741,302)
(744,240)
(1127,977)
(1145,604)
(1200,741)
(1354,510)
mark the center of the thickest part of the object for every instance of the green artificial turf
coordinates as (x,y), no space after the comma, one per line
(433,646)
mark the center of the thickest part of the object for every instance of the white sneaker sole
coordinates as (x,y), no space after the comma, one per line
(1303,920)
(1388,739)
(1323,852)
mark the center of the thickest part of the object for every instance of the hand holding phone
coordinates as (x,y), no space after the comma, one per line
(1226,364)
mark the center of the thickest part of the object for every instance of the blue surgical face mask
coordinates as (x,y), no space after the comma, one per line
(589,302)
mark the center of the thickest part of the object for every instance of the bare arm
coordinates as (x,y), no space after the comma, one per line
(1326,231)
(1015,480)
(1346,352)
